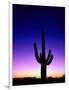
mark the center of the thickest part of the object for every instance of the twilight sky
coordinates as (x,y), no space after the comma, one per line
(27,23)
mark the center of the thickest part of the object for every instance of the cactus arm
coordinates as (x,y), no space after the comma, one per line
(36,53)
(49,54)
(41,58)
(50,60)
(40,55)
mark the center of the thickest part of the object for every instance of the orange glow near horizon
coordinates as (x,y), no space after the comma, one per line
(54,75)
(24,75)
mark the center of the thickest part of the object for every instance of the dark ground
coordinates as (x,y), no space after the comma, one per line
(29,81)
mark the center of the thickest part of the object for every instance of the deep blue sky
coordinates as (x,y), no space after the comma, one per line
(27,23)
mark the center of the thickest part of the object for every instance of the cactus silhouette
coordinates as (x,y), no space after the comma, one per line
(42,59)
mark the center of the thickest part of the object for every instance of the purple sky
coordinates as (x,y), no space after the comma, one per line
(27,23)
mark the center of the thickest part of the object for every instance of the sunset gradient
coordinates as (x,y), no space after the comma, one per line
(27,23)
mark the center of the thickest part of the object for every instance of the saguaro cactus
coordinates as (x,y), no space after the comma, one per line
(42,59)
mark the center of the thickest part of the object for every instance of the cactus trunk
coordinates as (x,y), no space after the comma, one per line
(43,45)
(43,65)
(43,71)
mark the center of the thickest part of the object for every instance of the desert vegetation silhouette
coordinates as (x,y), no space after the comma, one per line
(42,59)
(44,62)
